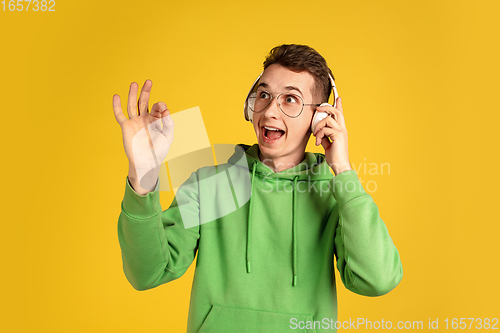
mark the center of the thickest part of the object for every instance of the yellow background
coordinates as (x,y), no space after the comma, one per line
(419,82)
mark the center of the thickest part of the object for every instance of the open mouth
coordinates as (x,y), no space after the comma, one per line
(272,133)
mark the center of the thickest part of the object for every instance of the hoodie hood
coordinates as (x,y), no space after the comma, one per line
(312,168)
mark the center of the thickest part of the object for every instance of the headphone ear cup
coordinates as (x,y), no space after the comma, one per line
(249,106)
(247,110)
(318,116)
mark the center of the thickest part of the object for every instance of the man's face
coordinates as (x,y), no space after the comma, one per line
(290,146)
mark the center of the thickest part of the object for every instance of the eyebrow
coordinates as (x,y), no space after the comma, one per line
(265,85)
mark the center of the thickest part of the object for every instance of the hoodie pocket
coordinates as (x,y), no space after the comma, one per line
(229,320)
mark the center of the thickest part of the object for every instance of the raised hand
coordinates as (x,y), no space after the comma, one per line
(147,136)
(331,133)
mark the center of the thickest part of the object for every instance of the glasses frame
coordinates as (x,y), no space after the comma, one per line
(279,104)
(249,113)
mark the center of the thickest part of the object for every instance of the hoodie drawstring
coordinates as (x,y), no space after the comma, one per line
(294,232)
(294,227)
(249,223)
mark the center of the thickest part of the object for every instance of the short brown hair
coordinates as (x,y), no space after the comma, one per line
(299,58)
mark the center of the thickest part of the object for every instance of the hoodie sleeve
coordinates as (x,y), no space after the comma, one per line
(367,259)
(155,246)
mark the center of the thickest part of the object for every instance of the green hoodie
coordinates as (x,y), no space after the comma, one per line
(265,264)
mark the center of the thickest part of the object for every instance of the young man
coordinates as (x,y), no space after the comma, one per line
(268,265)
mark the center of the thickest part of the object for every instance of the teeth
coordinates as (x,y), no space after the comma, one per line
(271,129)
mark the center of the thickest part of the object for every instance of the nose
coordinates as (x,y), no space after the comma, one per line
(272,110)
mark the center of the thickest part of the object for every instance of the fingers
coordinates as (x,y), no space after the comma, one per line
(157,109)
(339,104)
(117,108)
(143,102)
(326,143)
(326,133)
(168,125)
(327,129)
(160,111)
(340,112)
(132,98)
(336,112)
(328,122)
(325,107)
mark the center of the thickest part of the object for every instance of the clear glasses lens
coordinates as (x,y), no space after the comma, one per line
(290,104)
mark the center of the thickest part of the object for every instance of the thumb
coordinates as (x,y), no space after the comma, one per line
(157,109)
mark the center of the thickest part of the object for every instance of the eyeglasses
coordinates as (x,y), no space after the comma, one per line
(290,104)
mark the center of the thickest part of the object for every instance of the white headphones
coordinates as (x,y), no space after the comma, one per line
(318,116)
